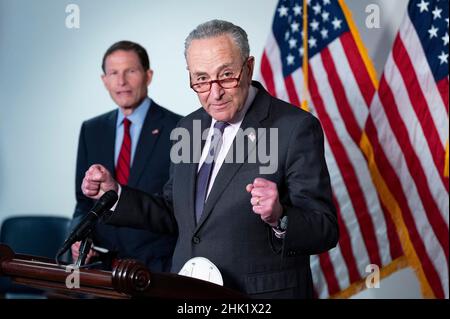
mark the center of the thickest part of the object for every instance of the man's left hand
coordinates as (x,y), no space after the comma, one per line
(265,200)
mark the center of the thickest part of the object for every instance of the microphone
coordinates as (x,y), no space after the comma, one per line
(84,228)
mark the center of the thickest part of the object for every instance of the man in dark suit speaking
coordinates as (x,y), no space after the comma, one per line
(132,142)
(257,223)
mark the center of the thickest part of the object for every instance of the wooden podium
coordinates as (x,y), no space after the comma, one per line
(128,279)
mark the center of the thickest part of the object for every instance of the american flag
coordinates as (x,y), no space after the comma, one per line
(407,130)
(339,83)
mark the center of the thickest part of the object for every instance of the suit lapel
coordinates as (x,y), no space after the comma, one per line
(107,155)
(150,132)
(257,112)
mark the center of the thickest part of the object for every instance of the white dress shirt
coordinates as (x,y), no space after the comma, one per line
(227,138)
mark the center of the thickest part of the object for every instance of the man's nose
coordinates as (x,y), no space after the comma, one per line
(122,79)
(217,91)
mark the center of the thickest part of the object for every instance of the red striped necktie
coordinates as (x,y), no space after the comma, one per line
(123,162)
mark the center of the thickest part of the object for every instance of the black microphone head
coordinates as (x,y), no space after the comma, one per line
(101,206)
(105,202)
(109,199)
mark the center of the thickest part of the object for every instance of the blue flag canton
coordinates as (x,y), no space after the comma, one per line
(430,19)
(326,22)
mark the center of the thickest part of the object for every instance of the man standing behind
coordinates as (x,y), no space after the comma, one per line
(133,142)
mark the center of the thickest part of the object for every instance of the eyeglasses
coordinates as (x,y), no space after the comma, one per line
(228,83)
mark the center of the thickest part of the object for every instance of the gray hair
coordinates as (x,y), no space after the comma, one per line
(215,28)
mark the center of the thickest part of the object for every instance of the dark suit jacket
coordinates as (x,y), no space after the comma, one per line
(149,173)
(242,246)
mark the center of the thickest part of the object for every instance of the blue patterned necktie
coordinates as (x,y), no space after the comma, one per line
(204,174)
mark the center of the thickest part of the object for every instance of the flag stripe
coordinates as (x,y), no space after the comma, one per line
(443,91)
(417,100)
(336,267)
(348,216)
(427,82)
(390,202)
(274,58)
(346,249)
(343,114)
(267,74)
(364,220)
(325,263)
(358,67)
(394,242)
(339,95)
(320,284)
(299,85)
(407,186)
(290,87)
(396,188)
(350,82)
(359,165)
(413,163)
(402,111)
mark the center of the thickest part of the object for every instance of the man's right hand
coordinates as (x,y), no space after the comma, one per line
(97,181)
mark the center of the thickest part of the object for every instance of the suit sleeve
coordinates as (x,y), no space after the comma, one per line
(83,203)
(312,220)
(141,210)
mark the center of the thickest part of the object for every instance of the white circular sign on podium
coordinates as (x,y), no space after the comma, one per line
(202,268)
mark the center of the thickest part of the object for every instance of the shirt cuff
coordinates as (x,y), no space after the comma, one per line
(119,191)
(280,234)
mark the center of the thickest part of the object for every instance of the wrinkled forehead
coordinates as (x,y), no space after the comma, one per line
(212,54)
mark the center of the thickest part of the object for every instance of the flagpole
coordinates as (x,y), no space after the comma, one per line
(304,102)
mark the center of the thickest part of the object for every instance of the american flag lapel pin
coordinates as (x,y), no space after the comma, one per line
(155,131)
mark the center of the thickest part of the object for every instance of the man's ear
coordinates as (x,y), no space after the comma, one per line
(251,67)
(149,74)
(103,77)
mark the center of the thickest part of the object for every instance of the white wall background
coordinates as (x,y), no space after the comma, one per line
(50,83)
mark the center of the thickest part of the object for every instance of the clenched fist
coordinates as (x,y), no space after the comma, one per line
(265,200)
(97,181)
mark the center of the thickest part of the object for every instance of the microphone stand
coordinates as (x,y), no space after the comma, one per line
(83,251)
